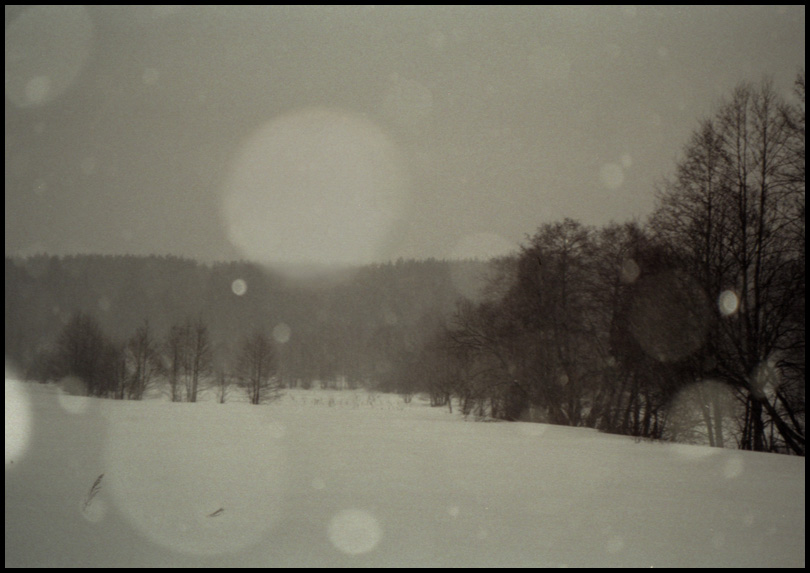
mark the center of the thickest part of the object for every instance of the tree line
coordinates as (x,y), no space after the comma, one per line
(184,362)
(344,330)
(610,327)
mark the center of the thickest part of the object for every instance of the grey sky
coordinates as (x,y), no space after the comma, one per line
(355,134)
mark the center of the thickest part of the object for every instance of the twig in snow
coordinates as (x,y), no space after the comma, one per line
(94,489)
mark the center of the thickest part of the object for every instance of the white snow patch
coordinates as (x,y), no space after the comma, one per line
(364,480)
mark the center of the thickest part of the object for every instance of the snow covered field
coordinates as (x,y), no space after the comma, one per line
(362,480)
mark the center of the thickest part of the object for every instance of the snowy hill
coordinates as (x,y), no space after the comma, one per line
(361,480)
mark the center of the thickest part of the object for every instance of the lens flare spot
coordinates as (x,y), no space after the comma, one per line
(281,333)
(104,304)
(313,187)
(18,420)
(72,395)
(705,403)
(239,287)
(94,510)
(728,302)
(630,271)
(47,48)
(468,279)
(207,491)
(390,317)
(354,531)
(733,467)
(669,316)
(40,186)
(615,544)
(765,378)
(150,76)
(611,175)
(37,89)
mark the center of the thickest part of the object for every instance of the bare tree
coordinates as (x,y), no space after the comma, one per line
(734,216)
(256,368)
(143,362)
(83,351)
(487,354)
(200,358)
(176,358)
(190,358)
(223,380)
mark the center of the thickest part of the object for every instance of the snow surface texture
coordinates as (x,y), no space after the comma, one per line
(363,480)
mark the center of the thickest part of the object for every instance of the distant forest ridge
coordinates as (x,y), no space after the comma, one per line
(348,323)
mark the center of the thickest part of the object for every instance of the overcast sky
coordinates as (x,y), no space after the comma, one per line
(357,134)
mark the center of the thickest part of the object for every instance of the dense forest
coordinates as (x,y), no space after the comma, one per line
(689,326)
(347,328)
